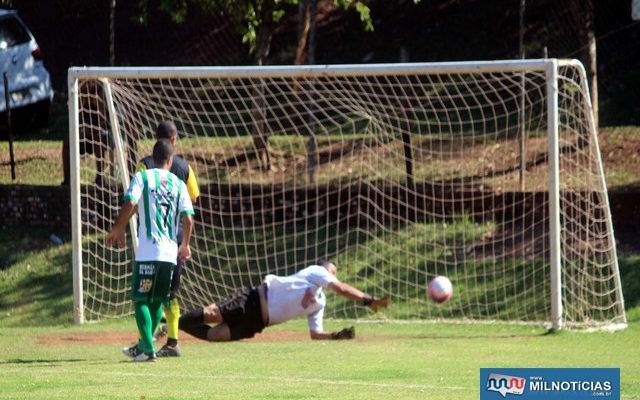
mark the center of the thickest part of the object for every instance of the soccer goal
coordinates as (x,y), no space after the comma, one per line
(486,172)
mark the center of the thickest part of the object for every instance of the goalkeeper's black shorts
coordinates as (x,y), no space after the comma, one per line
(242,313)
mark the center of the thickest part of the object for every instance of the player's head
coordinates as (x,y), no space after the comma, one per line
(163,154)
(167,130)
(331,267)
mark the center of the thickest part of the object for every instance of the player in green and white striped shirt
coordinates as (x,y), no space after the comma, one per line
(161,199)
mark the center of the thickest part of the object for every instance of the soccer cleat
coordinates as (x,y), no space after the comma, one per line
(132,351)
(168,351)
(162,332)
(144,357)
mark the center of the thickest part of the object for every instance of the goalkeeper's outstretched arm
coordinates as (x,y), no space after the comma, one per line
(352,293)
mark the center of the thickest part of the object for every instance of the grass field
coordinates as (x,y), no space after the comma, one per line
(44,356)
(404,361)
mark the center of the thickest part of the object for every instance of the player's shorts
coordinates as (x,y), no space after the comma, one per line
(177,271)
(242,313)
(175,280)
(151,281)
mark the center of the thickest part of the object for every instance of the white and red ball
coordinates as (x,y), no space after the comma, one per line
(440,289)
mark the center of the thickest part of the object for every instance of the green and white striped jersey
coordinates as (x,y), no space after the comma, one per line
(162,199)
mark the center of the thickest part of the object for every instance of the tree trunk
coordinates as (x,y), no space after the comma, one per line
(263,45)
(304,25)
(112,33)
(312,145)
(583,13)
(313,19)
(592,65)
(522,150)
(406,134)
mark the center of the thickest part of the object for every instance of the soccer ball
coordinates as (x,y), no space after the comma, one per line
(440,289)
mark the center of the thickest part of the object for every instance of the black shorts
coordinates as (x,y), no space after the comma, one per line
(177,271)
(175,279)
(242,313)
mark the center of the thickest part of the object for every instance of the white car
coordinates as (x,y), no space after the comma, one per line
(29,82)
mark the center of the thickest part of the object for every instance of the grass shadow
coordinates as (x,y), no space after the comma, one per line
(20,361)
(20,242)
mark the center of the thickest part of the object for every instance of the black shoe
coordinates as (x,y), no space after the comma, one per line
(169,351)
(132,351)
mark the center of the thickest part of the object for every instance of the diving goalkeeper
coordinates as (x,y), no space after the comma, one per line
(276,300)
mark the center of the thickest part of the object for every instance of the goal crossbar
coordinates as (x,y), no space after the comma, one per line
(294,71)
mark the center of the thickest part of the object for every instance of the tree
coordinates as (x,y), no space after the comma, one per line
(256,20)
(583,13)
(112,34)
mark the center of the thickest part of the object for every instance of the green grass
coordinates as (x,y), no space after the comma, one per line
(405,361)
(410,360)
(35,278)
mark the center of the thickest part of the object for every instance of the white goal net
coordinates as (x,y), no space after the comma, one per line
(488,173)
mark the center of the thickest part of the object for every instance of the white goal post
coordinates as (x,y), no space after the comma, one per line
(397,172)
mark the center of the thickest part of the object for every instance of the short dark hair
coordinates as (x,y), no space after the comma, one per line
(323,262)
(162,152)
(166,130)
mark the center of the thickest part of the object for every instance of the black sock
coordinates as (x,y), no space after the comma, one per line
(193,323)
(171,342)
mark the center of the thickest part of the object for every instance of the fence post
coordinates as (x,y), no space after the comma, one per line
(9,125)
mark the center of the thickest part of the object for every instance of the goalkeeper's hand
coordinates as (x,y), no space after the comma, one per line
(345,334)
(376,303)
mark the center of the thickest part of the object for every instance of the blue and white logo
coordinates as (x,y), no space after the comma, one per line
(504,384)
(550,383)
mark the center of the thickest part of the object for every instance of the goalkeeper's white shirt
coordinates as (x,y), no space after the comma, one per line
(162,199)
(286,296)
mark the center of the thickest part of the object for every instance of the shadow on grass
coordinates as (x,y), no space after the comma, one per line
(629,265)
(41,361)
(43,295)
(472,337)
(18,243)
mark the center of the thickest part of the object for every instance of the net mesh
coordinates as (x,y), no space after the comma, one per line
(396,177)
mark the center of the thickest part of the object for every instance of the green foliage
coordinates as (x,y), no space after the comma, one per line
(365,16)
(251,18)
